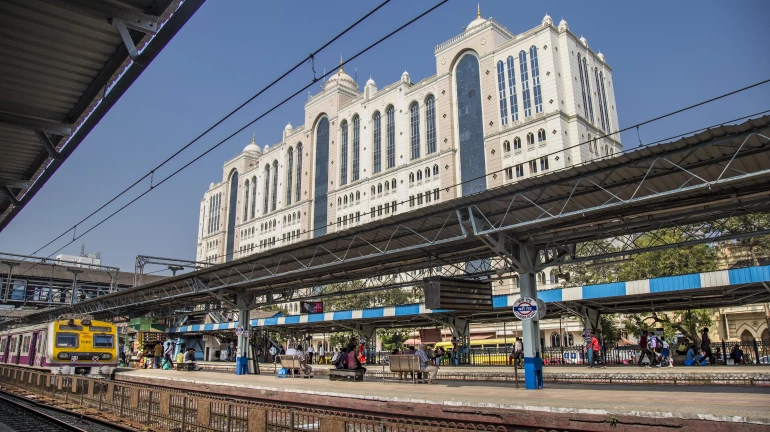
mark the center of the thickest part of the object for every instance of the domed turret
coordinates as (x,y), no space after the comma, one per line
(405,78)
(547,21)
(584,41)
(370,82)
(478,21)
(563,25)
(601,57)
(342,79)
(288,127)
(252,147)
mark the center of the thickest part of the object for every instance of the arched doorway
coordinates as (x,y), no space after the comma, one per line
(747,338)
(232,210)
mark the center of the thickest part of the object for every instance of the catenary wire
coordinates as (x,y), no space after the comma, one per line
(303,89)
(310,57)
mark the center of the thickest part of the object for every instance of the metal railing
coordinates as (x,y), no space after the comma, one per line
(149,408)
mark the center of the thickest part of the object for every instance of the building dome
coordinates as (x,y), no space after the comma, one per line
(211,186)
(267,147)
(342,79)
(547,21)
(288,127)
(371,82)
(563,24)
(252,147)
(405,76)
(478,21)
(584,41)
(601,56)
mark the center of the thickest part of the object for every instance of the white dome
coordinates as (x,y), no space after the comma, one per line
(563,25)
(601,56)
(252,147)
(288,127)
(405,75)
(584,41)
(267,147)
(211,186)
(370,81)
(547,20)
(478,21)
(342,79)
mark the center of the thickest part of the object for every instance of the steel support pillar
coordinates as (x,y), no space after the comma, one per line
(242,356)
(11,265)
(533,362)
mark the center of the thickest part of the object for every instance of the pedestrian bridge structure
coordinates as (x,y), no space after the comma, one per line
(696,290)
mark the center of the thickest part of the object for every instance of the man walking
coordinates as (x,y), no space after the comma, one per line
(645,351)
(595,352)
(310,353)
(455,351)
(705,346)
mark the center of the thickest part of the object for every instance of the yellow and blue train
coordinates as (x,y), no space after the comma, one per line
(64,346)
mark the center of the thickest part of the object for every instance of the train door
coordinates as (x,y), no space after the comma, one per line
(32,349)
(15,347)
(3,349)
(40,350)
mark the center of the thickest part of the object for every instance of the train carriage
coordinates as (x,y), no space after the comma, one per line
(65,346)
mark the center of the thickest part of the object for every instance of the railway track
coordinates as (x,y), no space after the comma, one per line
(21,414)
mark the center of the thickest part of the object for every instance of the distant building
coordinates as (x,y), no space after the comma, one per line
(84,261)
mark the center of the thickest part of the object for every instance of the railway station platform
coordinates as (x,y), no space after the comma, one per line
(558,406)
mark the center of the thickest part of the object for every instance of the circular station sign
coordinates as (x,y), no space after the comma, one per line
(239,331)
(525,308)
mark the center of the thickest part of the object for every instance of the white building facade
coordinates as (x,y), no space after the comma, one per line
(508,105)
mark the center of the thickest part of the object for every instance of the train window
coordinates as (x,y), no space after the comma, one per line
(71,327)
(103,341)
(66,340)
(25,345)
(95,329)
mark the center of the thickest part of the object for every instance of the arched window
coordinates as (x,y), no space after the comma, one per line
(265,208)
(289,174)
(435,170)
(555,340)
(391,136)
(320,184)
(358,196)
(541,136)
(374,191)
(427,173)
(588,90)
(553,277)
(530,138)
(298,195)
(387,186)
(414,111)
(246,200)
(275,185)
(393,184)
(379,188)
(377,142)
(346,200)
(582,85)
(356,146)
(604,102)
(512,88)
(506,146)
(501,93)
(351,197)
(606,150)
(253,195)
(590,144)
(411,178)
(525,83)
(599,97)
(430,123)
(517,143)
(339,201)
(419,175)
(344,153)
(284,220)
(536,79)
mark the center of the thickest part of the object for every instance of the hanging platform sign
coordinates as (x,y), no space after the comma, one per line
(525,308)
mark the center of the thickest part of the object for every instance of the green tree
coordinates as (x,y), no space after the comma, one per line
(667,262)
(756,247)
(359,300)
(393,339)
(687,322)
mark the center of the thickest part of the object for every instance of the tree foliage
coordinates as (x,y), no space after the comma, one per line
(687,322)
(667,262)
(757,247)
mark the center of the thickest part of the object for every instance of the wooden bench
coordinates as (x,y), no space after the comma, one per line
(290,363)
(346,374)
(182,366)
(404,363)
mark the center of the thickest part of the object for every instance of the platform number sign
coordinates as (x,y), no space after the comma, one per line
(239,331)
(525,308)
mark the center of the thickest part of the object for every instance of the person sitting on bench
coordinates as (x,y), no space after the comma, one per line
(353,362)
(189,357)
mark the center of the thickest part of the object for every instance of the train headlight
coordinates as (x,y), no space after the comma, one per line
(105,356)
(63,356)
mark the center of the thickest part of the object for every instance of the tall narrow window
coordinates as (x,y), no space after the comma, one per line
(391,136)
(501,93)
(536,79)
(211,215)
(604,102)
(275,185)
(430,123)
(289,174)
(377,141)
(245,201)
(588,90)
(265,208)
(253,195)
(512,88)
(525,84)
(414,111)
(356,145)
(599,97)
(344,154)
(298,195)
(320,186)
(582,85)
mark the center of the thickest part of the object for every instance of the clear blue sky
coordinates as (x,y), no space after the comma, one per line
(664,55)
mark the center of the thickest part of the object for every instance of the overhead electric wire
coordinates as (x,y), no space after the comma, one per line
(293,95)
(310,57)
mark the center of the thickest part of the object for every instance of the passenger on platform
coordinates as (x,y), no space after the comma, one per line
(321,356)
(736,353)
(684,344)
(340,359)
(692,360)
(455,359)
(666,355)
(123,355)
(229,352)
(189,357)
(517,354)
(410,350)
(157,354)
(705,346)
(353,363)
(273,352)
(310,353)
(306,369)
(595,352)
(168,353)
(440,354)
(425,364)
(645,350)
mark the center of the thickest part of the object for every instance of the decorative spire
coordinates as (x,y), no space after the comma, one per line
(253,138)
(341,65)
(478,10)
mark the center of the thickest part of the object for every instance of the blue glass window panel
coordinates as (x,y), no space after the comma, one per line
(253,195)
(391,114)
(604,101)
(289,174)
(536,79)
(414,122)
(512,88)
(275,185)
(599,95)
(232,210)
(588,90)
(320,200)
(344,154)
(525,84)
(377,142)
(356,147)
(430,123)
(299,172)
(501,93)
(470,126)
(246,201)
(267,190)
(582,85)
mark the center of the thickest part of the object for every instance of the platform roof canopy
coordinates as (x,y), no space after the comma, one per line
(63,64)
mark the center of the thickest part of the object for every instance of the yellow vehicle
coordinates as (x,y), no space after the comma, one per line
(493,351)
